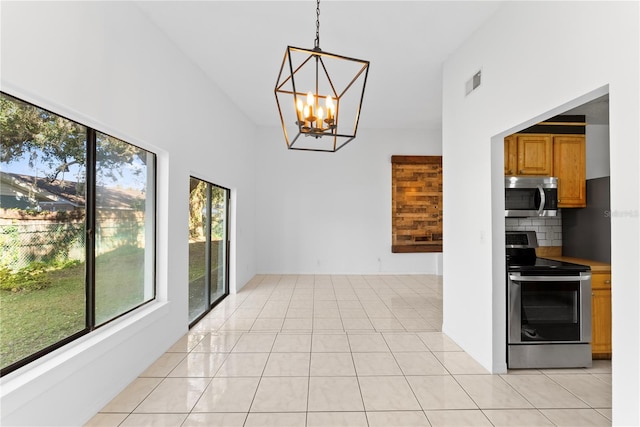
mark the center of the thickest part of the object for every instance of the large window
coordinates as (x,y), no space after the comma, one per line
(208,244)
(77,230)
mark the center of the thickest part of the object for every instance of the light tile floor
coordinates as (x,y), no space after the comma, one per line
(345,351)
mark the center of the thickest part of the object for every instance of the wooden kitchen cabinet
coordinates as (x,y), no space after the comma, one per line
(569,165)
(601,315)
(535,155)
(526,154)
(510,155)
(600,304)
(562,156)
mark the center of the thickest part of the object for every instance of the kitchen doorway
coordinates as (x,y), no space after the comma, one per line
(595,107)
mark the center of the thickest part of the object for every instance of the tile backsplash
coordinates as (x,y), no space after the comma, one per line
(548,229)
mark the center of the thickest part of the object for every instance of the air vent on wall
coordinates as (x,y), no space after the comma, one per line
(473,83)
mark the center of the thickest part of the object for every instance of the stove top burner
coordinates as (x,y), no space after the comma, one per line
(521,256)
(545,265)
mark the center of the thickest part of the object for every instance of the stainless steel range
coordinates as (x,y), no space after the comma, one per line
(549,308)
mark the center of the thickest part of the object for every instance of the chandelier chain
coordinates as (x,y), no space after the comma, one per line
(317,41)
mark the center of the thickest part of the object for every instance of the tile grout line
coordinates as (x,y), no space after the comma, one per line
(569,391)
(413,392)
(306,417)
(355,369)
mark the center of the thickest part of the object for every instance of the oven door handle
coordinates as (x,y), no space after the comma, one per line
(521,278)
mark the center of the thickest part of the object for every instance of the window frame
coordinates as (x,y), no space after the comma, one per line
(90,242)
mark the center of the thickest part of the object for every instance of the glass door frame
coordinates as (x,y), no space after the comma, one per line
(208,252)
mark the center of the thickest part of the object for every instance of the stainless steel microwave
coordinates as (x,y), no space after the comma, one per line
(528,196)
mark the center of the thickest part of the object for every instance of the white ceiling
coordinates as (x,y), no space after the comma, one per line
(240,46)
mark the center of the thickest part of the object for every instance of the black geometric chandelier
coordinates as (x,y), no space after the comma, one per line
(319,96)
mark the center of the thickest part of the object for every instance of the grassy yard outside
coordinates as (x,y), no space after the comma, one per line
(119,281)
(197,270)
(33,320)
(196,260)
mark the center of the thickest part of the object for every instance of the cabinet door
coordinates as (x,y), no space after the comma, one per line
(535,155)
(510,155)
(569,165)
(601,323)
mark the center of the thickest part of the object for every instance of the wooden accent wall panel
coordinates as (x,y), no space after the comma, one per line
(416,204)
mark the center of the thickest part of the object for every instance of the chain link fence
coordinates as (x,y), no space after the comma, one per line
(26,242)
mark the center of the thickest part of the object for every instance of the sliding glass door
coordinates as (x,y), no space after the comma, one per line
(218,263)
(208,246)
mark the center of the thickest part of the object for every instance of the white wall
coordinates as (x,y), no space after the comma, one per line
(597,142)
(104,65)
(538,59)
(331,212)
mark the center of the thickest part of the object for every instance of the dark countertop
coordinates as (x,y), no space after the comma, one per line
(596,266)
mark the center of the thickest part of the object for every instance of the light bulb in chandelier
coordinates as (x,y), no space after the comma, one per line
(331,110)
(320,118)
(300,112)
